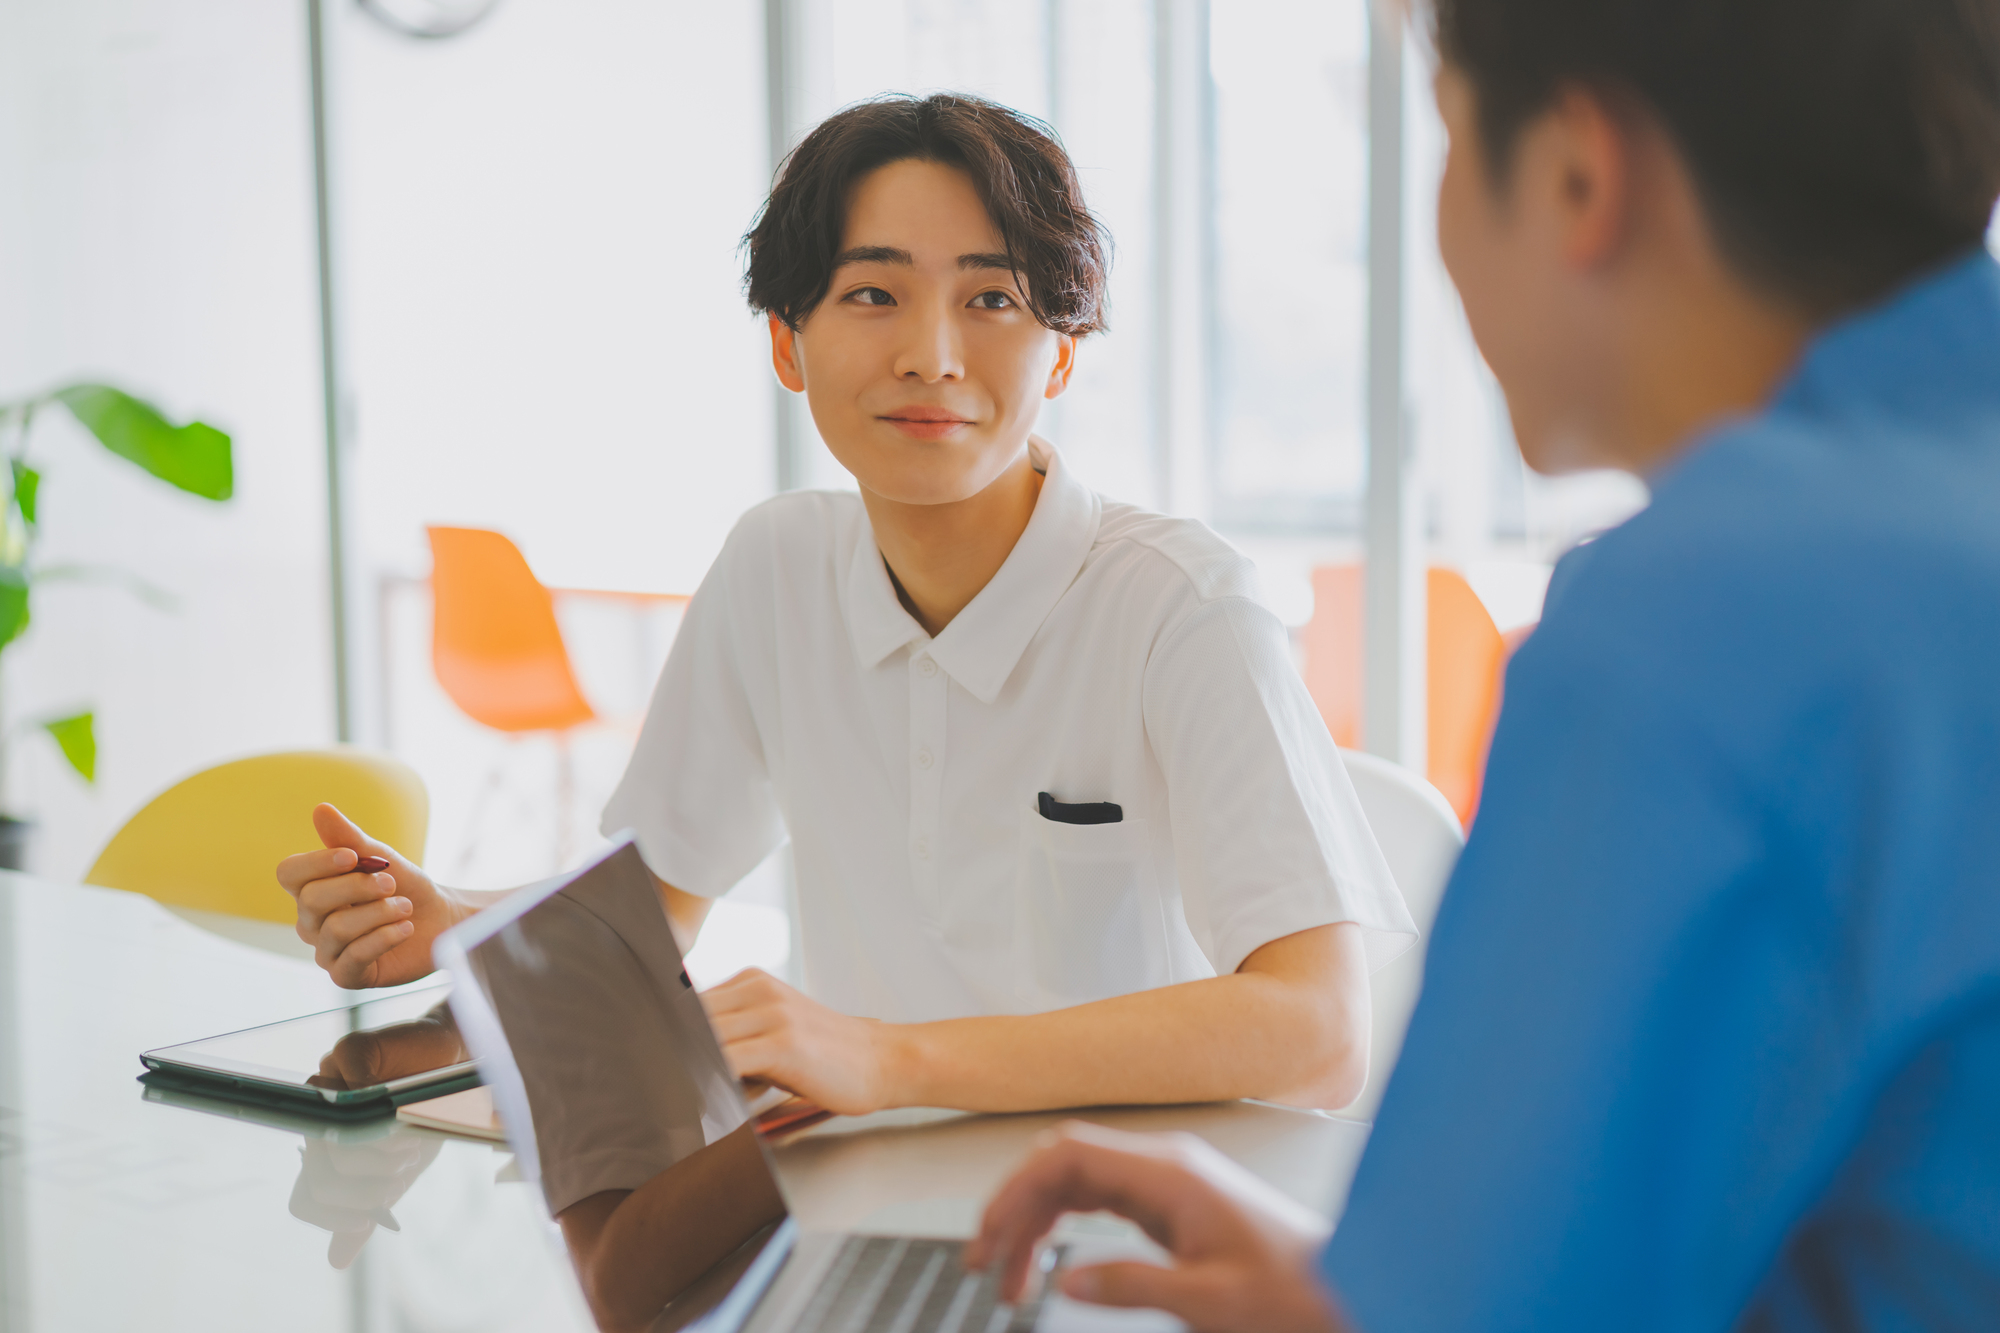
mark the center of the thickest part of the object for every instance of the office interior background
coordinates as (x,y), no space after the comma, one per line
(533,231)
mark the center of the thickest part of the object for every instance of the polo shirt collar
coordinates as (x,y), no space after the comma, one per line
(982,644)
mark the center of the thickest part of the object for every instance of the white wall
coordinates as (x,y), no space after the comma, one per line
(155,230)
(539,226)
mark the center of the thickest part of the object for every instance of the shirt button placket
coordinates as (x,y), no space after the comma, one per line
(928,687)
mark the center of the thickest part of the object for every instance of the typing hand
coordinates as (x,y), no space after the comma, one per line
(365,929)
(1242,1252)
(772,1033)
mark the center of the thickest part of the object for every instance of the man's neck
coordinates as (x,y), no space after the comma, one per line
(941,555)
(1729,365)
(1698,346)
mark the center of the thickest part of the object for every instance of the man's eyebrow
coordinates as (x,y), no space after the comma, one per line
(998,261)
(873,254)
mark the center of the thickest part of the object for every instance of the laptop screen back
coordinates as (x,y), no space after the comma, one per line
(608,1076)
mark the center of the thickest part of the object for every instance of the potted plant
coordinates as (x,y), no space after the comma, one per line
(194,457)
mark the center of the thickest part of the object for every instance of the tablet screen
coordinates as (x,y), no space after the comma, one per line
(342,1055)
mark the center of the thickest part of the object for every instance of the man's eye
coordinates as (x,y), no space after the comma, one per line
(870,296)
(993,301)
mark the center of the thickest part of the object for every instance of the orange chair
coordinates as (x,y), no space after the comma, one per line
(499,655)
(1332,643)
(495,644)
(1467,661)
(1465,657)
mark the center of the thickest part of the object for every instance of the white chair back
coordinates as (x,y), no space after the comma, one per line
(1421,838)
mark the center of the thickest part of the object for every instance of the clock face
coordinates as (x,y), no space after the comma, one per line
(428,18)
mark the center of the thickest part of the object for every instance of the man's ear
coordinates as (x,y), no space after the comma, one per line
(785,355)
(1065,363)
(1592,154)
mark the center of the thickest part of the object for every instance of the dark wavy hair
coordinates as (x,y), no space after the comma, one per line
(1840,147)
(1016,163)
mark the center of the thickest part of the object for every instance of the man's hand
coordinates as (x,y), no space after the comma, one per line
(1243,1253)
(366,930)
(771,1032)
(363,1059)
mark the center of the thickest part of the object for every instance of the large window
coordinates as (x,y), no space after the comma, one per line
(1290,266)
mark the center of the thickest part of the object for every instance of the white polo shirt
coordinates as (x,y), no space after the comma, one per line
(1118,655)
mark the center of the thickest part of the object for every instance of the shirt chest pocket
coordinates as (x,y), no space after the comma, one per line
(1088,903)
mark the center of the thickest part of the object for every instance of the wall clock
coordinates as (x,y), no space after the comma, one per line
(428,18)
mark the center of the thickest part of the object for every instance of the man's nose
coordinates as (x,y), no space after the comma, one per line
(931,351)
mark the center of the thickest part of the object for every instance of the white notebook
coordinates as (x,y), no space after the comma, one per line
(469,1112)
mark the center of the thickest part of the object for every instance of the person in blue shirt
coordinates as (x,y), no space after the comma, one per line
(1711,1032)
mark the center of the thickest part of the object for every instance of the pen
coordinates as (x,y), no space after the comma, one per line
(370,865)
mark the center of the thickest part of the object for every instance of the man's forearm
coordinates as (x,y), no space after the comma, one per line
(1290,1025)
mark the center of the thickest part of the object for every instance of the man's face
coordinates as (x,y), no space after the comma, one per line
(924,369)
(1503,245)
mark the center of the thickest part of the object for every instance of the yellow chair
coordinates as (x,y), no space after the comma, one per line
(211,843)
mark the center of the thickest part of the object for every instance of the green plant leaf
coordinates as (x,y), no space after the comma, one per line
(78,738)
(13,603)
(27,481)
(194,457)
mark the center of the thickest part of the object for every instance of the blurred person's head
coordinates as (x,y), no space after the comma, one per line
(927,266)
(1649,206)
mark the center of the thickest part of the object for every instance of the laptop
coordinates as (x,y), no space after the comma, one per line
(573,999)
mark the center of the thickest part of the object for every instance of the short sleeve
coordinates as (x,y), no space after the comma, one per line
(1269,838)
(697,792)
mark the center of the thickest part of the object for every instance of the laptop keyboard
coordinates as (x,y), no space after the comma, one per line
(902,1284)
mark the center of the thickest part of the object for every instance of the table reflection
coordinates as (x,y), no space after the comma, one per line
(397,1050)
(351,1175)
(349,1188)
(616,1092)
(643,1250)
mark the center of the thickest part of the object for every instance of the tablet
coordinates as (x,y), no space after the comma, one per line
(367,1057)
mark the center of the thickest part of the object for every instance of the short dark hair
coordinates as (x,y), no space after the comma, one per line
(1016,163)
(1840,147)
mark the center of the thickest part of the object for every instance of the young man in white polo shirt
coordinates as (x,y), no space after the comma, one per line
(1067,828)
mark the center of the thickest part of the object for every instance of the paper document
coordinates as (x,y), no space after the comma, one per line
(469,1113)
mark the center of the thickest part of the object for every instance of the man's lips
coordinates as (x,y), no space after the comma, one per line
(925,414)
(925,423)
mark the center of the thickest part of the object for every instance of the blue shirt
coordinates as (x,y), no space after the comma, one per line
(1711,1036)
